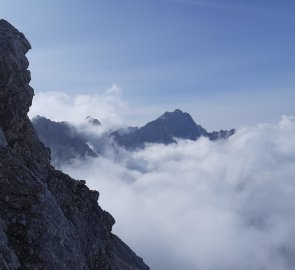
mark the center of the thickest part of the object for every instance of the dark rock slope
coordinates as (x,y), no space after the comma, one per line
(47,219)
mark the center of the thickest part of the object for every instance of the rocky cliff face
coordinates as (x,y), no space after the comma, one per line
(47,219)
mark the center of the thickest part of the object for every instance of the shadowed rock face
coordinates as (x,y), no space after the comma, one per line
(16,98)
(47,219)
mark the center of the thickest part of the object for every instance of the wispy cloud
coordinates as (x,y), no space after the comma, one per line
(210,4)
(246,8)
(107,107)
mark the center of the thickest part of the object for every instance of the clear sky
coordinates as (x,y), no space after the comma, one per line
(227,62)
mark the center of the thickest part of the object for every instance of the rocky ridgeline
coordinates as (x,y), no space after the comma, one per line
(166,130)
(67,142)
(47,219)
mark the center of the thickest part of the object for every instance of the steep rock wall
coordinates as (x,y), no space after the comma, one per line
(47,219)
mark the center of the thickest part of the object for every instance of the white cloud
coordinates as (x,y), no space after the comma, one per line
(204,205)
(57,106)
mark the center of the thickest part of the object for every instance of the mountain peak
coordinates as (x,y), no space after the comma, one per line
(93,121)
(177,113)
(166,128)
(170,125)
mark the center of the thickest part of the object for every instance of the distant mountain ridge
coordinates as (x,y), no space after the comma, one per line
(167,128)
(66,142)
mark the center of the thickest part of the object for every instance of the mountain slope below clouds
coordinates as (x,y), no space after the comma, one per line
(47,219)
(63,140)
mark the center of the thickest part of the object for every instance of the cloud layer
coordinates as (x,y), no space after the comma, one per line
(204,205)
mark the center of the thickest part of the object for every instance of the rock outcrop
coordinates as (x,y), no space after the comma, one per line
(47,219)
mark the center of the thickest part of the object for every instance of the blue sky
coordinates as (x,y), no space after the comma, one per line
(228,63)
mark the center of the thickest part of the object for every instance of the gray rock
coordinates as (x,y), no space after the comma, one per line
(49,221)
(3,141)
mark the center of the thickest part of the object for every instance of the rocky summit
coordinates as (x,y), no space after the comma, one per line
(47,219)
(166,129)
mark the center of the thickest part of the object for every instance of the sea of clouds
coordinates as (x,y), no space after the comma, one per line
(206,205)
